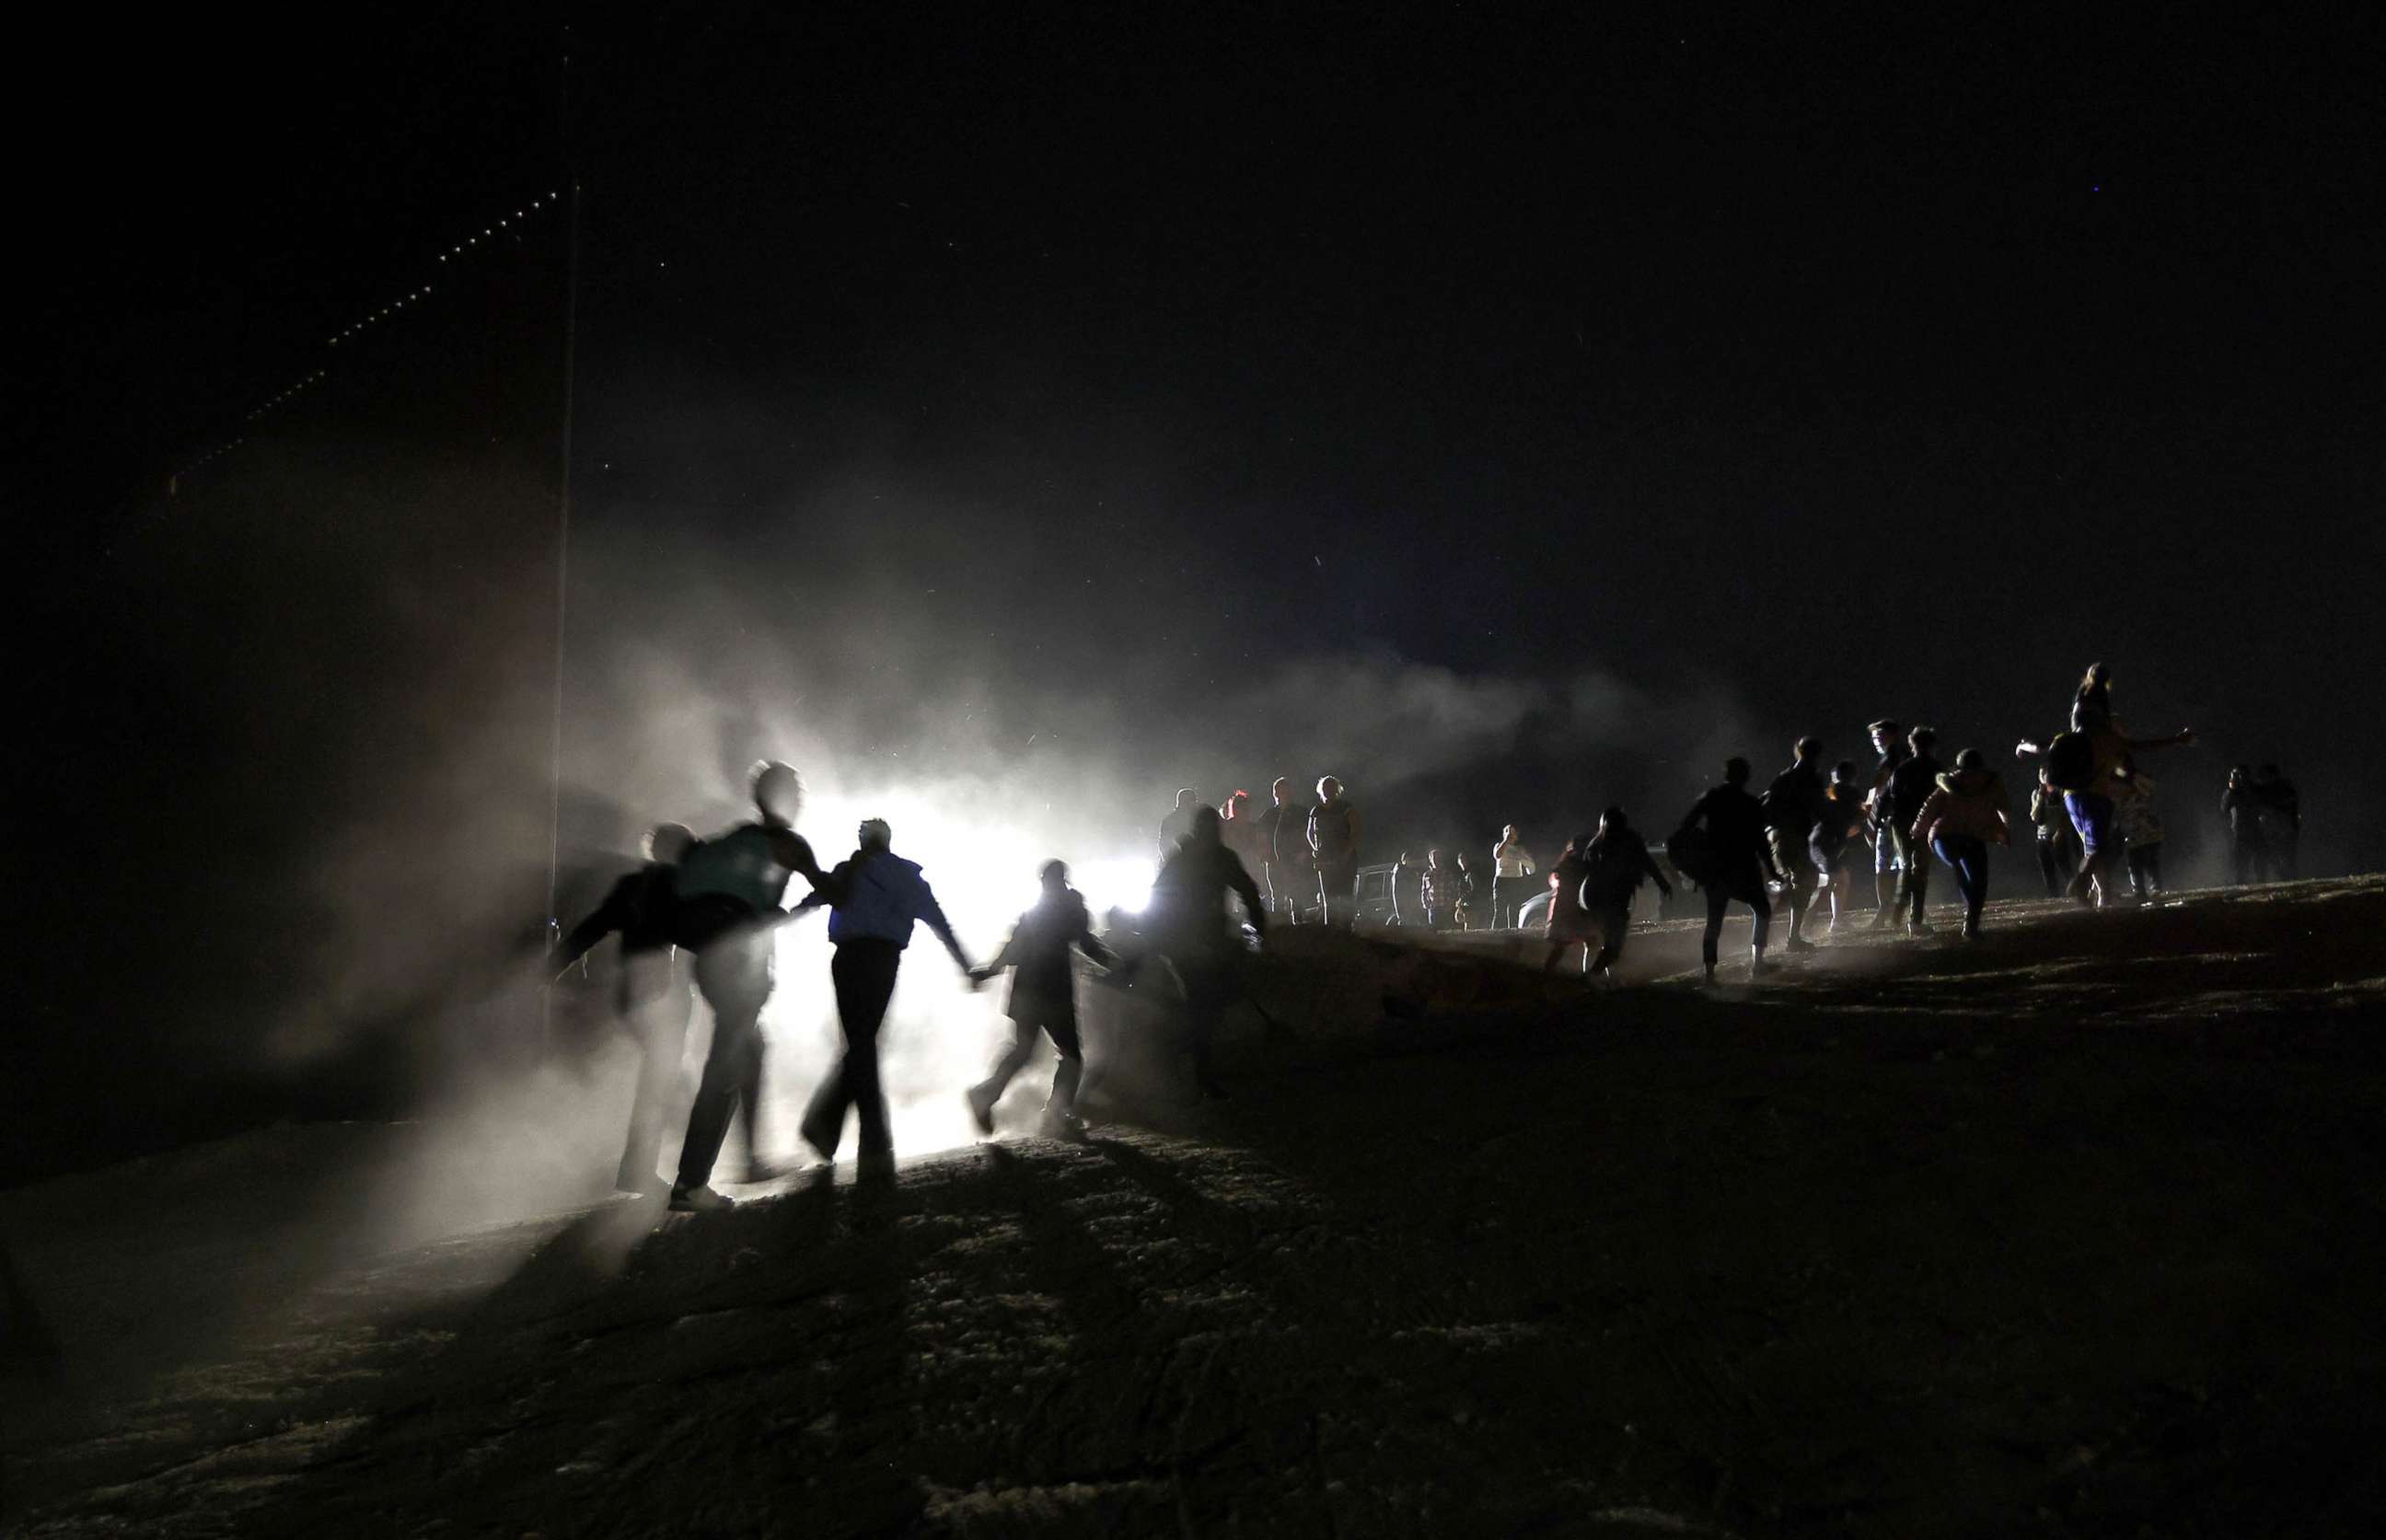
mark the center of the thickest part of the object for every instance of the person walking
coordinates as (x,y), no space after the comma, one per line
(1617,862)
(1569,924)
(2058,843)
(875,897)
(1043,999)
(1333,840)
(2083,762)
(1512,866)
(1910,786)
(2249,844)
(2141,831)
(729,890)
(1794,805)
(1837,822)
(653,995)
(1727,828)
(1888,742)
(1186,924)
(1967,811)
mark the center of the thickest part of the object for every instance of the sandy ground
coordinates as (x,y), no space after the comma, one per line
(2078,1231)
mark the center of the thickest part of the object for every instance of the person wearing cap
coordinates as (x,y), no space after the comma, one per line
(874,898)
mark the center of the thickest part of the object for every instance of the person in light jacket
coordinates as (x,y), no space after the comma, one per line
(1965,813)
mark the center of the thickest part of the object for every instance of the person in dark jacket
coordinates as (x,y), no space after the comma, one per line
(2249,844)
(1285,835)
(1043,998)
(729,892)
(652,994)
(1333,840)
(1616,862)
(1792,805)
(1910,786)
(876,897)
(1186,923)
(1888,741)
(1837,822)
(2282,820)
(1737,861)
(2058,843)
(1179,818)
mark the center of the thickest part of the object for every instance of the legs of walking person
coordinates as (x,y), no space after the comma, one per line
(1070,1067)
(1968,860)
(1885,879)
(660,1023)
(863,975)
(1614,926)
(735,974)
(2049,867)
(1717,899)
(1753,895)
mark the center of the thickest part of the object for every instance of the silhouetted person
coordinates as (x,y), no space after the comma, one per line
(1333,840)
(2282,820)
(1406,884)
(2249,843)
(1186,923)
(1887,861)
(1793,804)
(730,890)
(1569,924)
(1910,786)
(1515,878)
(1836,824)
(1616,863)
(1438,889)
(1179,820)
(1239,827)
(2141,833)
(2058,843)
(1966,812)
(875,897)
(652,993)
(1735,862)
(1469,898)
(1043,998)
(2083,763)
(1284,824)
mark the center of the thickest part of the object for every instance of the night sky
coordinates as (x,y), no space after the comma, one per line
(1750,375)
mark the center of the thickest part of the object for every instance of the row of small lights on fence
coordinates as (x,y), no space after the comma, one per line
(521,216)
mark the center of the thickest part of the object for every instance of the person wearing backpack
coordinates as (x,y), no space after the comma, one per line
(1727,828)
(729,890)
(1618,862)
(651,993)
(1792,803)
(1910,786)
(1966,812)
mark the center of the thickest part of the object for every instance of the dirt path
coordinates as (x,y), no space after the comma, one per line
(1910,1245)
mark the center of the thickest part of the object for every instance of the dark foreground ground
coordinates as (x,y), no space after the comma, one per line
(2078,1231)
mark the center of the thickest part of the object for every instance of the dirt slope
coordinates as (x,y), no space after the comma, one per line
(2077,1231)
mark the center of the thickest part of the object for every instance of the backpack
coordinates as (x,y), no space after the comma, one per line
(2070,762)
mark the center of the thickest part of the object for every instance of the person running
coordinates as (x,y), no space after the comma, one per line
(1965,812)
(1437,892)
(1186,924)
(1043,998)
(2058,843)
(1179,818)
(1333,840)
(1511,864)
(1910,786)
(2282,820)
(1285,825)
(1617,862)
(1836,824)
(2140,830)
(1794,805)
(1888,741)
(1569,924)
(876,897)
(652,995)
(730,888)
(2249,844)
(1735,862)
(2084,763)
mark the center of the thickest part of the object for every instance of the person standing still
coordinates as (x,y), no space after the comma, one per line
(1285,838)
(1333,840)
(1512,866)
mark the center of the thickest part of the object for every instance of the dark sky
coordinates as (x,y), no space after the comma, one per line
(1816,365)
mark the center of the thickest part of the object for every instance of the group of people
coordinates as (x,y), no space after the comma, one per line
(1295,853)
(709,909)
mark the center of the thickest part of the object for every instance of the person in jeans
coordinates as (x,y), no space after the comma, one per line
(1737,863)
(652,993)
(876,897)
(1512,867)
(1910,786)
(1888,741)
(1333,840)
(1043,998)
(1965,812)
(2058,843)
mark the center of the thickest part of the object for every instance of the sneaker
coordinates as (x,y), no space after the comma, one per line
(1919,928)
(1064,1125)
(700,1200)
(1799,944)
(822,1136)
(981,1105)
